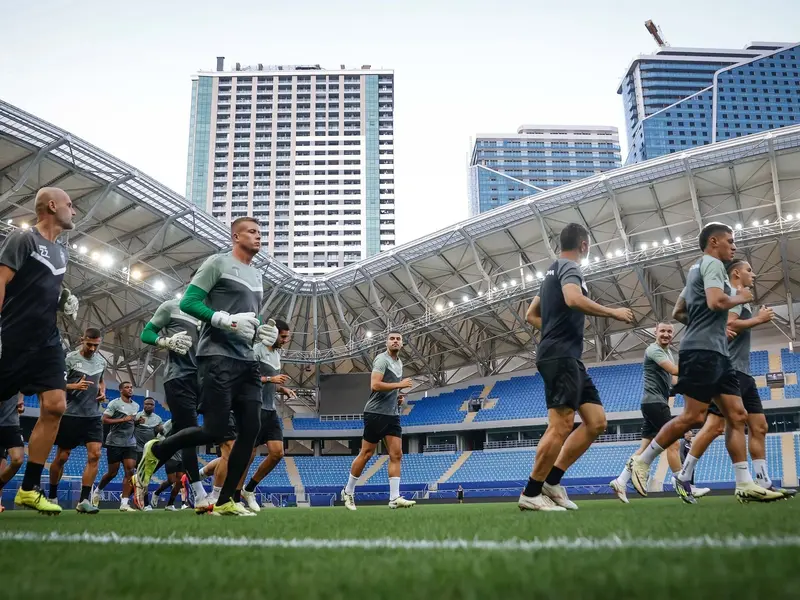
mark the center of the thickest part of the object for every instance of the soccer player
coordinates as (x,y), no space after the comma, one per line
(146,425)
(558,311)
(11,442)
(175,473)
(82,423)
(177,332)
(706,371)
(740,320)
(120,443)
(271,432)
(32,267)
(382,422)
(659,369)
(225,295)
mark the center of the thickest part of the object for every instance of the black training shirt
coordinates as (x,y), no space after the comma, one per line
(562,327)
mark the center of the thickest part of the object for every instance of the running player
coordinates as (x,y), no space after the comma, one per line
(177,332)
(659,371)
(120,443)
(175,473)
(82,423)
(225,295)
(706,371)
(32,267)
(271,432)
(11,442)
(382,422)
(559,311)
(740,320)
(146,425)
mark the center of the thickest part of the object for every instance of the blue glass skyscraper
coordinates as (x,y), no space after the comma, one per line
(679,98)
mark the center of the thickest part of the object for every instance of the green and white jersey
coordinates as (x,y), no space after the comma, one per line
(657,381)
(269,364)
(170,319)
(233,287)
(83,403)
(385,403)
(9,417)
(739,347)
(166,430)
(707,328)
(121,434)
(147,430)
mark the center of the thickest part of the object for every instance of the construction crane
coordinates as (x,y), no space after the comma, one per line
(655,31)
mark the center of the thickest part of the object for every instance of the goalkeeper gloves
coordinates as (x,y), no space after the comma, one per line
(178,343)
(242,324)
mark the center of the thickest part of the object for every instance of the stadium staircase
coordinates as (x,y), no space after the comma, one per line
(788,456)
(455,466)
(296,482)
(373,469)
(288,425)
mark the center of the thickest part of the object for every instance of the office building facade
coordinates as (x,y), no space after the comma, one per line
(506,167)
(307,151)
(679,98)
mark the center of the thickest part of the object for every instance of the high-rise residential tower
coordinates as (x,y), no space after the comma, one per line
(307,151)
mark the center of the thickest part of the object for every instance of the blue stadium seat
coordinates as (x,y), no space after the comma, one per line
(517,398)
(759,363)
(790,361)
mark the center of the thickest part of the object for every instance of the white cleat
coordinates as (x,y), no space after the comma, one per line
(243,510)
(204,506)
(752,492)
(540,502)
(250,500)
(170,508)
(126,508)
(95,497)
(558,494)
(640,474)
(699,492)
(349,500)
(401,502)
(620,490)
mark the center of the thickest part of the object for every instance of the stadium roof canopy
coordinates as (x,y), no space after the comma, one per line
(459,295)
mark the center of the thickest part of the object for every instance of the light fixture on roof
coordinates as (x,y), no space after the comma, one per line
(504,285)
(480,293)
(513,282)
(539,275)
(789,216)
(766,221)
(465,298)
(83,249)
(95,256)
(655,244)
(124,269)
(10,221)
(136,274)
(158,285)
(528,277)
(25,226)
(74,246)
(738,226)
(643,246)
(596,259)
(178,296)
(609,255)
(106,260)
(678,240)
(666,242)
(584,262)
(450,304)
(618,253)
(439,307)
(755,223)
(368,334)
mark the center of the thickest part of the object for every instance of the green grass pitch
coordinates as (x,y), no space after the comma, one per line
(67,568)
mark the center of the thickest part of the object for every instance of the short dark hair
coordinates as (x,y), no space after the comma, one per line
(664,322)
(241,220)
(92,333)
(711,230)
(122,384)
(150,398)
(730,266)
(572,236)
(393,332)
(282,325)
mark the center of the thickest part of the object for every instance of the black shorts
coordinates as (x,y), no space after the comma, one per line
(378,426)
(173,466)
(567,384)
(32,371)
(230,432)
(79,431)
(749,393)
(116,454)
(271,428)
(10,437)
(656,415)
(704,374)
(182,396)
(227,382)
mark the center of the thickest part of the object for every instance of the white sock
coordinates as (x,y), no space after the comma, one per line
(762,474)
(199,490)
(625,476)
(350,488)
(394,488)
(650,453)
(202,472)
(124,502)
(742,471)
(688,468)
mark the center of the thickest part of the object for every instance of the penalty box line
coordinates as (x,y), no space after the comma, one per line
(739,542)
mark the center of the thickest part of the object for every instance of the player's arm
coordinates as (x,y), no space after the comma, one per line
(151,332)
(101,391)
(679,312)
(377,384)
(737,324)
(109,420)
(714,280)
(16,249)
(534,314)
(661,358)
(6,275)
(571,288)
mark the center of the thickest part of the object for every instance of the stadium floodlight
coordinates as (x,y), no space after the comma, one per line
(738,227)
(95,256)
(643,246)
(766,222)
(465,298)
(158,285)
(450,304)
(10,221)
(584,262)
(678,240)
(789,217)
(368,334)
(439,307)
(136,274)
(666,242)
(124,269)
(480,293)
(539,275)
(25,226)
(528,277)
(106,260)
(83,249)
(609,255)
(74,246)
(504,285)
(513,282)
(655,244)
(178,296)
(755,223)
(596,259)
(618,253)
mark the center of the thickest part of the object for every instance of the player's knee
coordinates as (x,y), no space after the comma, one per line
(93,457)
(276,454)
(737,417)
(395,455)
(718,428)
(16,462)
(52,406)
(561,428)
(758,428)
(367,452)
(597,427)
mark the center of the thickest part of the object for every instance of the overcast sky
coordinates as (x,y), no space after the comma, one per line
(119,75)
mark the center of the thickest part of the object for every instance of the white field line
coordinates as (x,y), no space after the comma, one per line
(740,542)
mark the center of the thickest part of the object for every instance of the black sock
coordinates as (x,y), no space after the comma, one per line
(251,486)
(32,477)
(534,488)
(237,496)
(53,491)
(554,476)
(86,491)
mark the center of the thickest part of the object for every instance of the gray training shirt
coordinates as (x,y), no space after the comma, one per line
(707,328)
(739,347)
(657,381)
(170,319)
(562,326)
(121,434)
(9,417)
(385,403)
(233,287)
(147,431)
(269,364)
(83,403)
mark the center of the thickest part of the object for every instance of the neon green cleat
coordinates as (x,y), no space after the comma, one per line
(231,509)
(35,500)
(144,472)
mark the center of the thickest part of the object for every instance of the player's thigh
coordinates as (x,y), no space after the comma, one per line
(563,382)
(53,402)
(394,444)
(182,395)
(593,416)
(561,419)
(225,448)
(731,407)
(93,450)
(218,374)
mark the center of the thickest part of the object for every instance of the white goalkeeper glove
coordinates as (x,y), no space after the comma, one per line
(178,343)
(242,324)
(267,333)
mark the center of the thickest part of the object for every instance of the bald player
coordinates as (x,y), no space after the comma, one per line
(32,267)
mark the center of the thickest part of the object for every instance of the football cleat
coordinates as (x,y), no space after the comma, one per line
(35,500)
(85,507)
(401,502)
(250,499)
(349,500)
(620,490)
(540,502)
(640,474)
(684,490)
(752,492)
(558,494)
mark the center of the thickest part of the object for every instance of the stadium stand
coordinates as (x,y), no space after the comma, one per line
(517,398)
(790,361)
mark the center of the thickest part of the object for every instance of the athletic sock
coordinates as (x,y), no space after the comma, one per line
(687,472)
(762,474)
(350,488)
(53,494)
(554,476)
(124,502)
(32,477)
(251,485)
(199,490)
(86,491)
(237,496)
(534,488)
(650,453)
(394,488)
(742,471)
(624,476)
